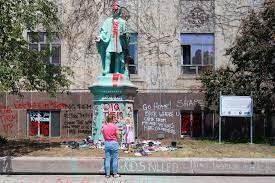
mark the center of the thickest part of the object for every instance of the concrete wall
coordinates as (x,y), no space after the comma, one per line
(140,166)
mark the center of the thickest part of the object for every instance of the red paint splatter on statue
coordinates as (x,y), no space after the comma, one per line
(115,32)
(117,77)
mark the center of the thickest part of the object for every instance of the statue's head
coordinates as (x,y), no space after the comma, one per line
(116,9)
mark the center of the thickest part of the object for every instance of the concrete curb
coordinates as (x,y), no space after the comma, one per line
(142,165)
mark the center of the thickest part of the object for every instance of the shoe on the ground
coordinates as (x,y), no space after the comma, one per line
(116,175)
(107,176)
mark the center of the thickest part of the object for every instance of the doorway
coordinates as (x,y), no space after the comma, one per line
(185,124)
(191,124)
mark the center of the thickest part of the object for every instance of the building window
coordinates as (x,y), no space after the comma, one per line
(257,2)
(133,47)
(197,52)
(44,123)
(39,41)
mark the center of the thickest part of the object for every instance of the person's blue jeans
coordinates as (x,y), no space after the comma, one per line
(111,152)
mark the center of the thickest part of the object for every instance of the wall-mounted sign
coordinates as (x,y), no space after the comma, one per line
(236,106)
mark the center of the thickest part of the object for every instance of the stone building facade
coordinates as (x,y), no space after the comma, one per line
(172,41)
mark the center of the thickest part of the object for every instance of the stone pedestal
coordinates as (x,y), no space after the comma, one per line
(113,94)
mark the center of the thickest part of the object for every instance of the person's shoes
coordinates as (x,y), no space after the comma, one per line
(116,175)
(126,152)
(107,176)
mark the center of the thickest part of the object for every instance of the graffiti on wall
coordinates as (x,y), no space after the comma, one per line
(159,118)
(168,102)
(38,105)
(188,103)
(9,116)
(77,122)
(8,119)
(160,114)
(78,106)
(78,119)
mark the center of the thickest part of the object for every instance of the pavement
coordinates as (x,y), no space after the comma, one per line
(131,179)
(139,166)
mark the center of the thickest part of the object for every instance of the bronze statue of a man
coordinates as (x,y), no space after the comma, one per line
(112,41)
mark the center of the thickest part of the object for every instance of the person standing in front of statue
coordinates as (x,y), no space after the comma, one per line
(111,136)
(111,41)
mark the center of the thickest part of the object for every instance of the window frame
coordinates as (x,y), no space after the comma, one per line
(135,65)
(55,42)
(197,66)
(50,123)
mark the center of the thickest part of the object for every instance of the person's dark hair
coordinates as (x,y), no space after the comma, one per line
(109,118)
